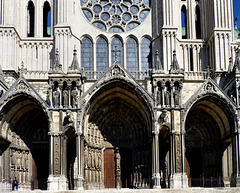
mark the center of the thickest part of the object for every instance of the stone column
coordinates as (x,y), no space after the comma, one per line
(79,148)
(178,177)
(238,158)
(155,160)
(57,179)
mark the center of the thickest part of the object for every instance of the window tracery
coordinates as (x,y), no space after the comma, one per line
(116,15)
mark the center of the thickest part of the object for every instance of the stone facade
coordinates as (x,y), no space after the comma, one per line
(119,94)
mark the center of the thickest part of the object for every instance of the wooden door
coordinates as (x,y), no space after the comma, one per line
(109,168)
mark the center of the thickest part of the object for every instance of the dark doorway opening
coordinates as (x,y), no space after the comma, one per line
(194,159)
(126,168)
(40,166)
(71,156)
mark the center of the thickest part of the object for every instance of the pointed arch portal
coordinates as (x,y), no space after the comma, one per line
(25,128)
(117,150)
(209,126)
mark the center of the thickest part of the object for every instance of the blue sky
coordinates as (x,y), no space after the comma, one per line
(236,10)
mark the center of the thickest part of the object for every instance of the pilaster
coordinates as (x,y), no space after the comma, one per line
(155,159)
(79,148)
(178,177)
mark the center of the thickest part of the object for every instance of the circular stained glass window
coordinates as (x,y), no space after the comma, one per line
(116,15)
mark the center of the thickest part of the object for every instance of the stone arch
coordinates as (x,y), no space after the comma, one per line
(118,113)
(25,120)
(209,123)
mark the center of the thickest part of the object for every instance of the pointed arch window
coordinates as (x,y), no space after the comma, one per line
(87,54)
(46,20)
(30,19)
(146,54)
(132,54)
(117,44)
(198,23)
(102,54)
(184,22)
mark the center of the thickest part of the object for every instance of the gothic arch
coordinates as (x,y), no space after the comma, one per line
(224,99)
(209,122)
(25,124)
(117,113)
(109,78)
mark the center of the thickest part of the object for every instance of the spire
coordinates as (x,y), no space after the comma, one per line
(56,60)
(22,69)
(175,68)
(157,62)
(75,64)
(175,65)
(56,67)
(230,68)
(237,61)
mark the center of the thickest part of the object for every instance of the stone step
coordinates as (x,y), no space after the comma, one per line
(188,190)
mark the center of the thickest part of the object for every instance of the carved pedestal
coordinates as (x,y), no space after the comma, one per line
(57,183)
(178,180)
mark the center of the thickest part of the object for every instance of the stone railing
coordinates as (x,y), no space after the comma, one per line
(202,75)
(137,75)
(195,50)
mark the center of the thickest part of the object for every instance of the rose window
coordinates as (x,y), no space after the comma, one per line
(116,15)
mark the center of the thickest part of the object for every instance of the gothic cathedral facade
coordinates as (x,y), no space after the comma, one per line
(119,94)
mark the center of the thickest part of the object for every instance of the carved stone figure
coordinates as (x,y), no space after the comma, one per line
(167,98)
(176,96)
(56,98)
(159,96)
(65,98)
(74,95)
(118,168)
(68,119)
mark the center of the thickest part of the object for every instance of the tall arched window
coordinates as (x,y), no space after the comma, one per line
(0,12)
(46,20)
(146,54)
(236,17)
(87,54)
(117,49)
(184,22)
(102,54)
(30,19)
(198,23)
(132,54)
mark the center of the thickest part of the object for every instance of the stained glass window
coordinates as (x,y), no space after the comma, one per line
(118,45)
(102,54)
(116,15)
(87,54)
(132,54)
(145,54)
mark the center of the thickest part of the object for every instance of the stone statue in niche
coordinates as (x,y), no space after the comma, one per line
(176,96)
(56,98)
(74,95)
(159,96)
(118,168)
(85,157)
(167,98)
(65,98)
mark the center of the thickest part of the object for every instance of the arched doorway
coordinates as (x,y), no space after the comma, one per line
(117,147)
(25,126)
(209,126)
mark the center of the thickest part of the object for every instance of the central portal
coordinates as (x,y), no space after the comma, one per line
(117,148)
